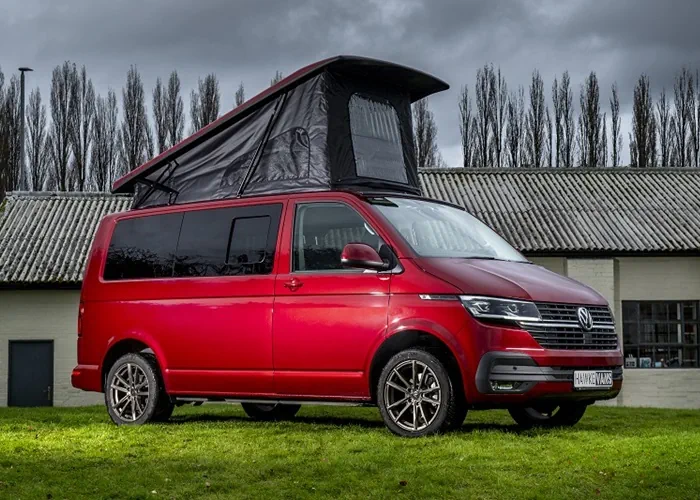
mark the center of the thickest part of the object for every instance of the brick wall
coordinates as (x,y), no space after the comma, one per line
(659,388)
(44,315)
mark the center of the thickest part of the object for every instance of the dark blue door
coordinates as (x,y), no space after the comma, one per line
(31,373)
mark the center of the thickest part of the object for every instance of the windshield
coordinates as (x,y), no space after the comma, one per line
(436,230)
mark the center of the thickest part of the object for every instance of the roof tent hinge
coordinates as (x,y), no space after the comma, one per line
(261,146)
(158,184)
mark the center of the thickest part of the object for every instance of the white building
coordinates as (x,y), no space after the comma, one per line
(632,235)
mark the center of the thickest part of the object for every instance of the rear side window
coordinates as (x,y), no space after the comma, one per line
(228,241)
(143,248)
(376,139)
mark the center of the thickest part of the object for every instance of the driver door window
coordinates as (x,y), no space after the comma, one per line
(321,231)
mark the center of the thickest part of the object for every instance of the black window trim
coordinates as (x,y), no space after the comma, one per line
(270,233)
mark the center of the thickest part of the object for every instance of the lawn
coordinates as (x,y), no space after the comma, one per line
(215,451)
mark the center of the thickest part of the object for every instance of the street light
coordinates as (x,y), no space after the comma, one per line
(22,161)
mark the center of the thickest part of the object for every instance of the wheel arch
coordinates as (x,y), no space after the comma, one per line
(119,349)
(412,338)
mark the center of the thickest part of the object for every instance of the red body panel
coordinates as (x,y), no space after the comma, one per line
(314,335)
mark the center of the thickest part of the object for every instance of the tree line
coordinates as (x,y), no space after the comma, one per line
(511,129)
(82,141)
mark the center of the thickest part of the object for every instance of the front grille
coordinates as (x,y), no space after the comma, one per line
(559,328)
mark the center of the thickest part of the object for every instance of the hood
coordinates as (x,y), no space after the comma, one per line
(516,280)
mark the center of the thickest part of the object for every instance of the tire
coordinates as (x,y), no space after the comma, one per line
(272,411)
(564,415)
(164,410)
(134,392)
(455,420)
(432,401)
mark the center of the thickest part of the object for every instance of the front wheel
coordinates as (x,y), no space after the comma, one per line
(564,415)
(415,395)
(272,411)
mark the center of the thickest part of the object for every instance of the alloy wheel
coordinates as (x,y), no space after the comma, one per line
(129,392)
(413,396)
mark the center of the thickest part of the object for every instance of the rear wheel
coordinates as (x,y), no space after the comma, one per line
(564,415)
(415,395)
(134,393)
(272,411)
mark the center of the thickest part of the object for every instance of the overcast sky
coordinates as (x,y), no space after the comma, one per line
(249,40)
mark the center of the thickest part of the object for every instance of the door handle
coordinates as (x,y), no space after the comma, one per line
(293,285)
(48,393)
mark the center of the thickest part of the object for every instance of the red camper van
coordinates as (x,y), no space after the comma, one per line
(283,256)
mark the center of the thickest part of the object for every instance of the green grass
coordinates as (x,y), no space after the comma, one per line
(327,452)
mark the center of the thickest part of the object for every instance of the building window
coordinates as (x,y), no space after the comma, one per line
(661,334)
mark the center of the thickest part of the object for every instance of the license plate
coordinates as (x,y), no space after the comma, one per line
(593,379)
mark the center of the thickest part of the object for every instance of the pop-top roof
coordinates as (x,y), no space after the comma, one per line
(416,83)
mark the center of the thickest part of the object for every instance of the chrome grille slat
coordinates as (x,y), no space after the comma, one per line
(559,328)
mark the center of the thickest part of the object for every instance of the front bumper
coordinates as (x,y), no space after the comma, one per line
(530,380)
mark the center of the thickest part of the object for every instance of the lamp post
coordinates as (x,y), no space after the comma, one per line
(22,161)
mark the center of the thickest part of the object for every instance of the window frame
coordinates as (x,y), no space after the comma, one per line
(300,204)
(273,233)
(635,347)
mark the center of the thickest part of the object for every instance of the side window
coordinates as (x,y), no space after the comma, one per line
(376,139)
(143,248)
(321,230)
(228,241)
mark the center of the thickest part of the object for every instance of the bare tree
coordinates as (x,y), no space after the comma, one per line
(277,78)
(240,95)
(175,110)
(63,80)
(37,145)
(616,139)
(558,126)
(535,123)
(566,105)
(11,176)
(590,123)
(484,115)
(498,101)
(105,147)
(81,121)
(160,116)
(134,131)
(663,120)
(204,103)
(694,111)
(515,128)
(682,92)
(603,143)
(425,134)
(549,140)
(466,129)
(643,137)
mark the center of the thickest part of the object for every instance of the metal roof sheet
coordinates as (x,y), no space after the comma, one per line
(45,237)
(579,210)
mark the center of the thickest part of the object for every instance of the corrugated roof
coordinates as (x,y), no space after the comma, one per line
(579,211)
(45,237)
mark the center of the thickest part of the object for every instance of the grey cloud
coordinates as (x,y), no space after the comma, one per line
(248,41)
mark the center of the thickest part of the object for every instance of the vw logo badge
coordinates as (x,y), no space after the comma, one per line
(584,318)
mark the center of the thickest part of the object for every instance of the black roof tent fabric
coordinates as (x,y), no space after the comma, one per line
(343,123)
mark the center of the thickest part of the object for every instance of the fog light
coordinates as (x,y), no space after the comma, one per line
(505,386)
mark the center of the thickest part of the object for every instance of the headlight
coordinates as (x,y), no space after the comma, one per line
(492,308)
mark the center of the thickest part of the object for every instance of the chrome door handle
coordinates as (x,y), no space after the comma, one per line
(293,284)
(48,393)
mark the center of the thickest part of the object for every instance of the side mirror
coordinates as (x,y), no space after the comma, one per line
(362,256)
